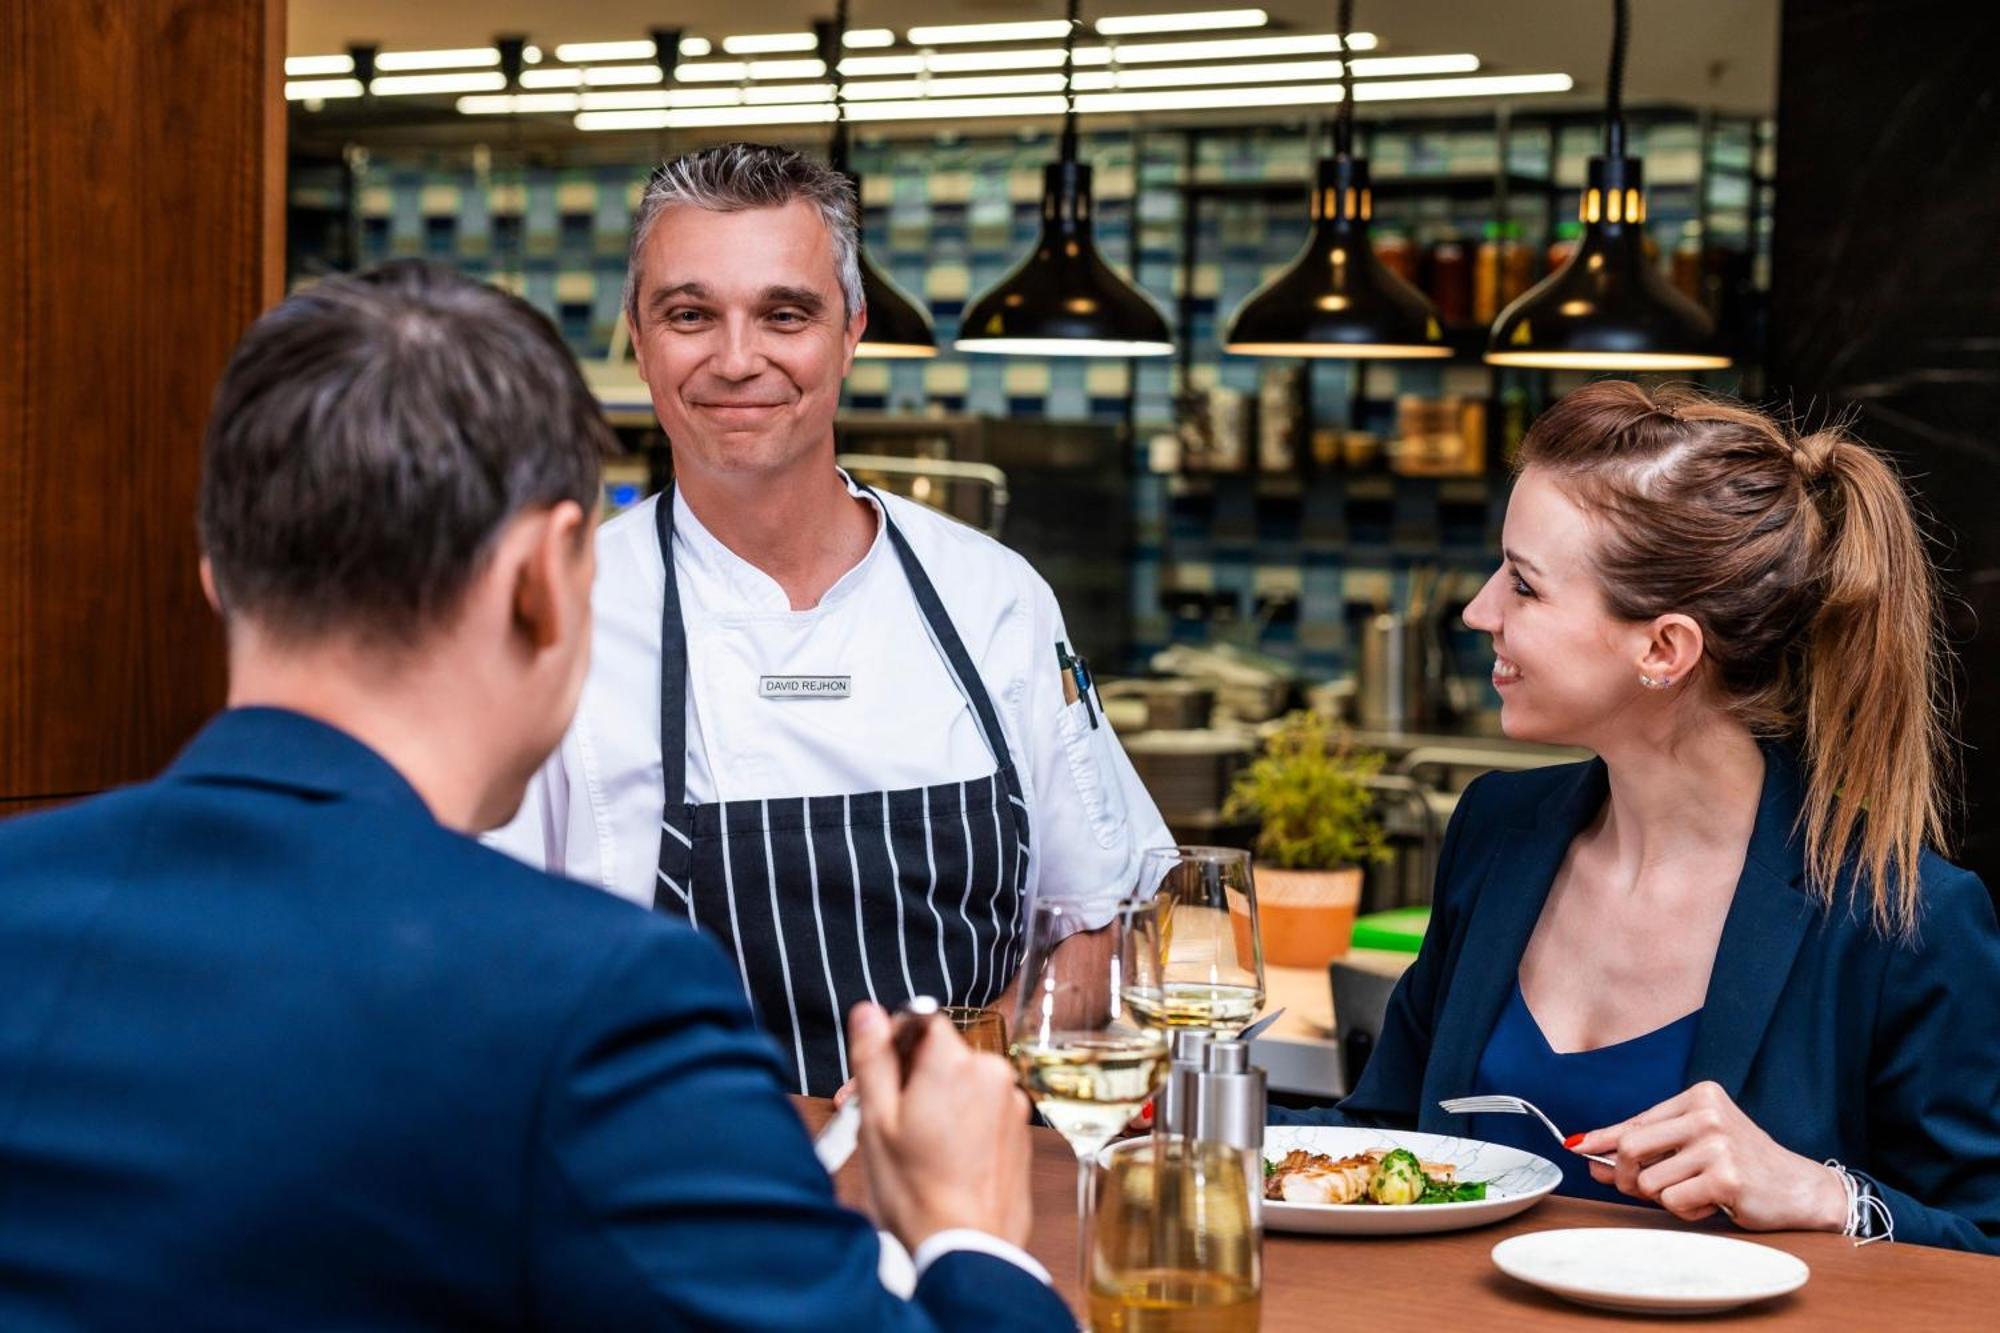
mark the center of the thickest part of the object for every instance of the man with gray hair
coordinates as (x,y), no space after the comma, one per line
(846,735)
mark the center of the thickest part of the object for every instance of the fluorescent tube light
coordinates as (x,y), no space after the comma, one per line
(469,57)
(992,85)
(321,90)
(306,67)
(418,85)
(953,33)
(502,104)
(1210,20)
(1225,48)
(769,43)
(584,53)
(616,76)
(1504,85)
(1277,71)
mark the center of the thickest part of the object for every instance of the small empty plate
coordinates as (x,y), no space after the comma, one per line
(1642,1269)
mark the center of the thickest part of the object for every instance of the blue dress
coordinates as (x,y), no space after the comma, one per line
(1580,1091)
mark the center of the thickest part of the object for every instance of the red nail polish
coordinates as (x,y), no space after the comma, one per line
(1573,1140)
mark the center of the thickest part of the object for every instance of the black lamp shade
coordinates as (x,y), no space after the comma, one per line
(1608,307)
(1337,299)
(1064,299)
(897,325)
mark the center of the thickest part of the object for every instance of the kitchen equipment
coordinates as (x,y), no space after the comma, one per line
(1392,692)
(1188,772)
(1249,686)
(1169,705)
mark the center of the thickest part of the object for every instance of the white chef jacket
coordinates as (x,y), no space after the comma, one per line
(593,812)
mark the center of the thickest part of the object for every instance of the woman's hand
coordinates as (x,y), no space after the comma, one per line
(1698,1153)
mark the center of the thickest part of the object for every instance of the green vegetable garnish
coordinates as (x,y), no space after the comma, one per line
(1445,1191)
(1270,1168)
(1398,1179)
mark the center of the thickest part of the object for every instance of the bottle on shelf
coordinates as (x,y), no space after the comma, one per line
(1486,276)
(1451,280)
(1393,248)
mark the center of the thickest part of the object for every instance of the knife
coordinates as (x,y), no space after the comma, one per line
(837,1138)
(1250,1033)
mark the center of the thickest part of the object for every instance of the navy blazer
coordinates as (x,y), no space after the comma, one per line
(277,1050)
(1839,1043)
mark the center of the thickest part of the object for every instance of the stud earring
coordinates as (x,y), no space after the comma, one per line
(1655,683)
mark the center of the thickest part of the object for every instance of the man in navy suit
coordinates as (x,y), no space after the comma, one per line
(282,1047)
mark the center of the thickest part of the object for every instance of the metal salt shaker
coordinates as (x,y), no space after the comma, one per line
(1180,1100)
(1232,1109)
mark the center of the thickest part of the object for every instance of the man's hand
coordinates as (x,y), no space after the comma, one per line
(1697,1153)
(950,1147)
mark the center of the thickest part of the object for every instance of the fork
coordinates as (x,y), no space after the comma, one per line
(1502,1105)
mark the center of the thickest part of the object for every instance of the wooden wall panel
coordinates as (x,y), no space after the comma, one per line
(142,155)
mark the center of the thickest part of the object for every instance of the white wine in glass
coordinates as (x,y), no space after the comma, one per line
(1176,1247)
(1218,1007)
(1082,1056)
(1211,957)
(1090,1084)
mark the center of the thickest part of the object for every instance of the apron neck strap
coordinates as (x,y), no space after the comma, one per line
(674,656)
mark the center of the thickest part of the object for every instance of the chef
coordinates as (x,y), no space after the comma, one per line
(849,736)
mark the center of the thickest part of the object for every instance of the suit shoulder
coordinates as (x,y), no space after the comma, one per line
(72,830)
(1509,793)
(1953,900)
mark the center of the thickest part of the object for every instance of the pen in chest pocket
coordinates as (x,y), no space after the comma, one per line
(1076,680)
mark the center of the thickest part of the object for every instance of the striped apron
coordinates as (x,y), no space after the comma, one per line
(825,901)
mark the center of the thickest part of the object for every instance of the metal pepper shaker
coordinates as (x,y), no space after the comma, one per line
(1234,1097)
(1232,1108)
(1180,1100)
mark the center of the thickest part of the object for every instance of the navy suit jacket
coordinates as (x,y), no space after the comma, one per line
(1839,1043)
(277,1050)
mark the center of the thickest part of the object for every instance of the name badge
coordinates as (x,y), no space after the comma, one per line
(804,687)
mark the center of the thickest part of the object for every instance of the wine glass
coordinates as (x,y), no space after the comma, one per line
(1081,1055)
(1211,954)
(981,1029)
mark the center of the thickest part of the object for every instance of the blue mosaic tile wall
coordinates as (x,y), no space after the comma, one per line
(1286,566)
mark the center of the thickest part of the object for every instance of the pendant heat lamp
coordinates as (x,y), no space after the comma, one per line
(1337,299)
(1608,307)
(897,326)
(1064,299)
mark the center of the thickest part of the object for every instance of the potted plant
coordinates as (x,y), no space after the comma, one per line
(1317,826)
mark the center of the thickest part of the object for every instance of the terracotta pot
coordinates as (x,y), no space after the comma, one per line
(1306,916)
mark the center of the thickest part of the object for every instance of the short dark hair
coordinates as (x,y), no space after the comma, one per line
(371,436)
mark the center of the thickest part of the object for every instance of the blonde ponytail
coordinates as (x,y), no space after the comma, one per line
(1873,741)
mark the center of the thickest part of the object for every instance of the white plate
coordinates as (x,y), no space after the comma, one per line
(1515,1181)
(1663,1272)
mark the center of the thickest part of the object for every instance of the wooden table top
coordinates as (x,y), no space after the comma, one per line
(1313,1283)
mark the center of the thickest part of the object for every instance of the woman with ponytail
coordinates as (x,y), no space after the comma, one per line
(1726,950)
